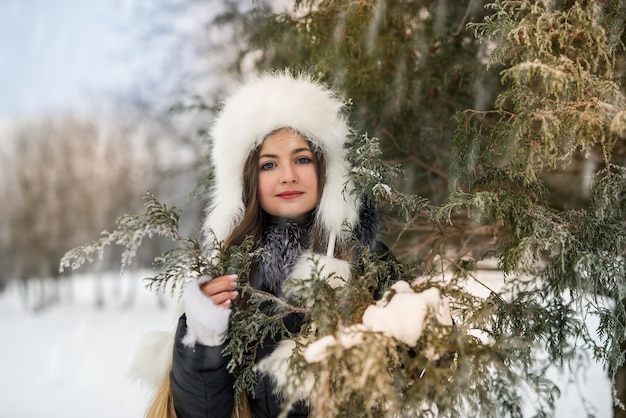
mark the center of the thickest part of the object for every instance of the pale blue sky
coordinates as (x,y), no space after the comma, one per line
(62,54)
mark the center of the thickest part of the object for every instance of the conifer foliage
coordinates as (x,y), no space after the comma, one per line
(487,110)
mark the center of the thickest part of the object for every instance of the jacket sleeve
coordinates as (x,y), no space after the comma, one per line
(201,384)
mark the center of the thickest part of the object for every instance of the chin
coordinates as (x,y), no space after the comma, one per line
(292,212)
(298,216)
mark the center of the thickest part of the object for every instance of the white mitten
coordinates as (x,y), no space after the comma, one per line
(207,323)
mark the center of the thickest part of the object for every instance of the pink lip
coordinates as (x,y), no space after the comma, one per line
(290,194)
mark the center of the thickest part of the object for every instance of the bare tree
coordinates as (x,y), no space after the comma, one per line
(66,179)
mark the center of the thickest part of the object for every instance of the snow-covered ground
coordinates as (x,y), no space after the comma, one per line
(71,360)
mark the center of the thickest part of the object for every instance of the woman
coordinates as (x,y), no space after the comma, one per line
(281,178)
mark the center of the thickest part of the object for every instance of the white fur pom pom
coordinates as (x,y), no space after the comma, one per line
(334,271)
(152,358)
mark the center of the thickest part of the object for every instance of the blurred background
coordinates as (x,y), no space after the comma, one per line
(87,126)
(103,101)
(87,122)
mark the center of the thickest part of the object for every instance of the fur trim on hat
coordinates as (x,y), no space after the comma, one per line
(264,104)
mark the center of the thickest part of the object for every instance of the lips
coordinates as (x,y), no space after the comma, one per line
(291,194)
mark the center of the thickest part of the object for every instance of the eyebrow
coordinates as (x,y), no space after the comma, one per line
(295,151)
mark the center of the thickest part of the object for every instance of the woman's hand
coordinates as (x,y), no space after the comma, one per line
(221,290)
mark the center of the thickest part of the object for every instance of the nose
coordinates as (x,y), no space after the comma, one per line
(288,175)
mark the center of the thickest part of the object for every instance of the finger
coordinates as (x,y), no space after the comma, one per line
(224,298)
(218,285)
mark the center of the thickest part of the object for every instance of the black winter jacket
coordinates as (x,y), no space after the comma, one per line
(201,383)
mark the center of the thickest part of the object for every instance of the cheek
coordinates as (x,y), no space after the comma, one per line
(264,185)
(311,179)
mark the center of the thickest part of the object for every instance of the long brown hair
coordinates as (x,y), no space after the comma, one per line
(162,402)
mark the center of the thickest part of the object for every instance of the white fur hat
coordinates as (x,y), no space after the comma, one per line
(259,106)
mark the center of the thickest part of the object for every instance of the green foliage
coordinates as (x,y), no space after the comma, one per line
(158,220)
(256,317)
(559,96)
(558,100)
(378,178)
(409,69)
(483,126)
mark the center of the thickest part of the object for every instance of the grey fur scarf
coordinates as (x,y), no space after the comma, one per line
(282,244)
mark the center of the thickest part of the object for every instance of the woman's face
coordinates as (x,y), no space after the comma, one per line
(287,176)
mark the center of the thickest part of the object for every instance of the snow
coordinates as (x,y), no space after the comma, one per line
(403,316)
(72,359)
(317,351)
